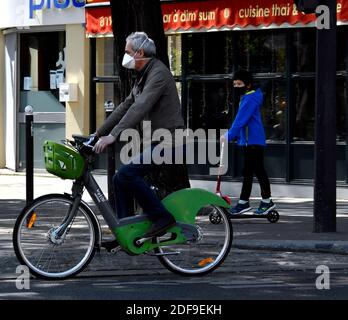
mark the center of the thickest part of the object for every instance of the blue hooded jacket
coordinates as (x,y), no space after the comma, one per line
(247,126)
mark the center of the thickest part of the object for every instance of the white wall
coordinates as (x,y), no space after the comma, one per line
(10,99)
(16,13)
(77,71)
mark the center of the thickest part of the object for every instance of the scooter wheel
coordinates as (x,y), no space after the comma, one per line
(215,217)
(273,216)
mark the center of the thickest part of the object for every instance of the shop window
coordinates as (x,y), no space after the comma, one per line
(342,48)
(105,56)
(42,68)
(261,51)
(274,109)
(210,105)
(341,110)
(174,54)
(104,92)
(210,53)
(304,46)
(304,111)
(42,65)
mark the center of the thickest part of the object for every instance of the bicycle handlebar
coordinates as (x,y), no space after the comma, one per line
(84,144)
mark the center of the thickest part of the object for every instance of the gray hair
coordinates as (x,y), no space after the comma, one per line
(140,40)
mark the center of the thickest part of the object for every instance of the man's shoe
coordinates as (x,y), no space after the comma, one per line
(160,226)
(240,208)
(111,246)
(265,207)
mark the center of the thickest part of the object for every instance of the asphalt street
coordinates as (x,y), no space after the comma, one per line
(268,261)
(283,271)
(246,274)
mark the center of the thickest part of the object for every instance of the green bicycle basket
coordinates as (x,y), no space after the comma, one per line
(63,161)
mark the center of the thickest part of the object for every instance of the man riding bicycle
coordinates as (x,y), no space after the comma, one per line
(154,98)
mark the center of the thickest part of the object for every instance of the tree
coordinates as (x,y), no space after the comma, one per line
(144,15)
(136,15)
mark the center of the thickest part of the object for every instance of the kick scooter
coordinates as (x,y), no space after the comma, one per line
(272,216)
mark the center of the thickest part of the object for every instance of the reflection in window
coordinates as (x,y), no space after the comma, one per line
(174,54)
(304,112)
(342,48)
(42,61)
(304,50)
(210,53)
(261,51)
(304,117)
(105,92)
(341,110)
(274,109)
(105,57)
(42,69)
(209,105)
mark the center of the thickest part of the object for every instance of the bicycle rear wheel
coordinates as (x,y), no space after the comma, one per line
(199,256)
(48,256)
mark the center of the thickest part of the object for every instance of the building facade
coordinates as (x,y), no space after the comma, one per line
(207,42)
(42,44)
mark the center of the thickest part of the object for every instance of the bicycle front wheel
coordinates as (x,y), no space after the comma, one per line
(49,256)
(204,254)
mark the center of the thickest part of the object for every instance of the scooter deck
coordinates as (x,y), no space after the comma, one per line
(272,216)
(248,216)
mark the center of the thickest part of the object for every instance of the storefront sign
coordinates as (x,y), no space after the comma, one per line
(198,16)
(226,14)
(98,18)
(36,5)
(27,13)
(99,22)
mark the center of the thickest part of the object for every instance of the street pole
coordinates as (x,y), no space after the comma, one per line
(29,154)
(111,166)
(325,127)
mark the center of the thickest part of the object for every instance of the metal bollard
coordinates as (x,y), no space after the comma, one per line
(29,153)
(111,167)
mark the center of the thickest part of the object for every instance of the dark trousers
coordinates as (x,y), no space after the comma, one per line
(129,184)
(253,164)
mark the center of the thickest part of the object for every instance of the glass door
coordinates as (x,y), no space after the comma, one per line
(42,69)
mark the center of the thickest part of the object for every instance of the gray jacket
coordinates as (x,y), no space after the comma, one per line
(154,98)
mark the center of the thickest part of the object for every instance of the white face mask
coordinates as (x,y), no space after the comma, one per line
(129,61)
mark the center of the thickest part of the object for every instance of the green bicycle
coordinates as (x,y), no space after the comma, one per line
(57,235)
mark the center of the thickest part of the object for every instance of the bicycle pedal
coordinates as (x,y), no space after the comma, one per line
(115,250)
(139,242)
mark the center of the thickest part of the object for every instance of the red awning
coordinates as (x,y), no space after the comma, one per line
(98,18)
(216,15)
(98,22)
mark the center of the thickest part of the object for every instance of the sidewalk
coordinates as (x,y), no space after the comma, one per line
(293,231)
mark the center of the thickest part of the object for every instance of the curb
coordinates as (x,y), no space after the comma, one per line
(333,247)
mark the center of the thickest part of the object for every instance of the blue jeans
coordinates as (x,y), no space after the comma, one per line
(129,184)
